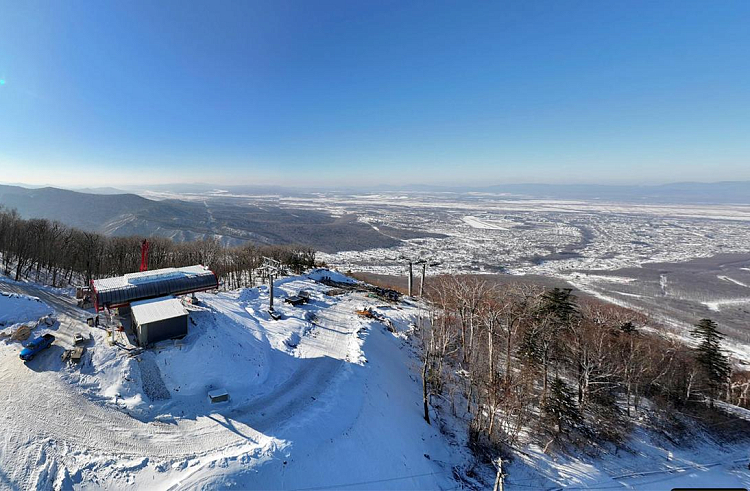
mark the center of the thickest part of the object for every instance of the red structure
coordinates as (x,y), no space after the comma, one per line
(144,255)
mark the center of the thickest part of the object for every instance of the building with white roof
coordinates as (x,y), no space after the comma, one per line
(158,319)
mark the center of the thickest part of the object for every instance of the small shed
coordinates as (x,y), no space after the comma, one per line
(158,319)
(218,395)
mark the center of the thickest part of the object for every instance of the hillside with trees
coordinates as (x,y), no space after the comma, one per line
(125,215)
(521,364)
(54,254)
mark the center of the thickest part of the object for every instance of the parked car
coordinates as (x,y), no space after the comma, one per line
(78,338)
(36,345)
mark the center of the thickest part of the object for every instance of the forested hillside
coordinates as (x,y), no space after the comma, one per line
(59,255)
(122,215)
(525,364)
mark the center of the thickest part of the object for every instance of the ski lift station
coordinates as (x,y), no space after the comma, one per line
(121,291)
(149,296)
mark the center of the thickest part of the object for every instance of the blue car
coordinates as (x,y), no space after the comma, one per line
(36,345)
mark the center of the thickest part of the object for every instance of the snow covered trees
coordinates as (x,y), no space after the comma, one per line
(714,363)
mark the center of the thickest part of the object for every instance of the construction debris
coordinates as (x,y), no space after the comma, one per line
(73,355)
(368,313)
(77,353)
(333,292)
(22,332)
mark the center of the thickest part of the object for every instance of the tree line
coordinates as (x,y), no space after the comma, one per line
(520,359)
(59,255)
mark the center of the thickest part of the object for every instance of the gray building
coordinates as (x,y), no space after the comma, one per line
(158,319)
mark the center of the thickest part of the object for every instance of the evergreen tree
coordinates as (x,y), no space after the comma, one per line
(560,406)
(529,348)
(559,312)
(709,354)
(559,305)
(628,328)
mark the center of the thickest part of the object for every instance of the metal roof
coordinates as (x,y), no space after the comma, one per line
(217,393)
(157,309)
(122,290)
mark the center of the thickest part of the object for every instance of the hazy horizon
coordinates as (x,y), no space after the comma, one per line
(612,190)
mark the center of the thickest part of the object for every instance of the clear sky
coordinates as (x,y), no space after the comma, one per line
(111,93)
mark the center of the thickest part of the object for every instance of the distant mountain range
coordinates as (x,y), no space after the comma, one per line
(725,192)
(737,192)
(679,193)
(235,221)
(129,214)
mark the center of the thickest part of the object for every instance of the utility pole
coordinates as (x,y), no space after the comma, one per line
(500,476)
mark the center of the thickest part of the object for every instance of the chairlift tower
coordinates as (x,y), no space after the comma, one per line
(424,271)
(270,269)
(411,277)
(420,261)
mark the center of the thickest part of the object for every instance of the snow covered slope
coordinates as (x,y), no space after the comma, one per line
(321,399)
(645,462)
(16,308)
(327,403)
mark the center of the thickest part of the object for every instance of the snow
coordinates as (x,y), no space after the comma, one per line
(732,280)
(475,222)
(155,309)
(319,274)
(17,308)
(646,462)
(718,304)
(333,403)
(338,406)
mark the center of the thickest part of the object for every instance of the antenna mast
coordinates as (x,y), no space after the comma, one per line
(144,255)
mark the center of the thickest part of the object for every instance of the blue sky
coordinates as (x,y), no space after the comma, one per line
(114,93)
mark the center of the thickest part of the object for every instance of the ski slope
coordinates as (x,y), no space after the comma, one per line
(324,405)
